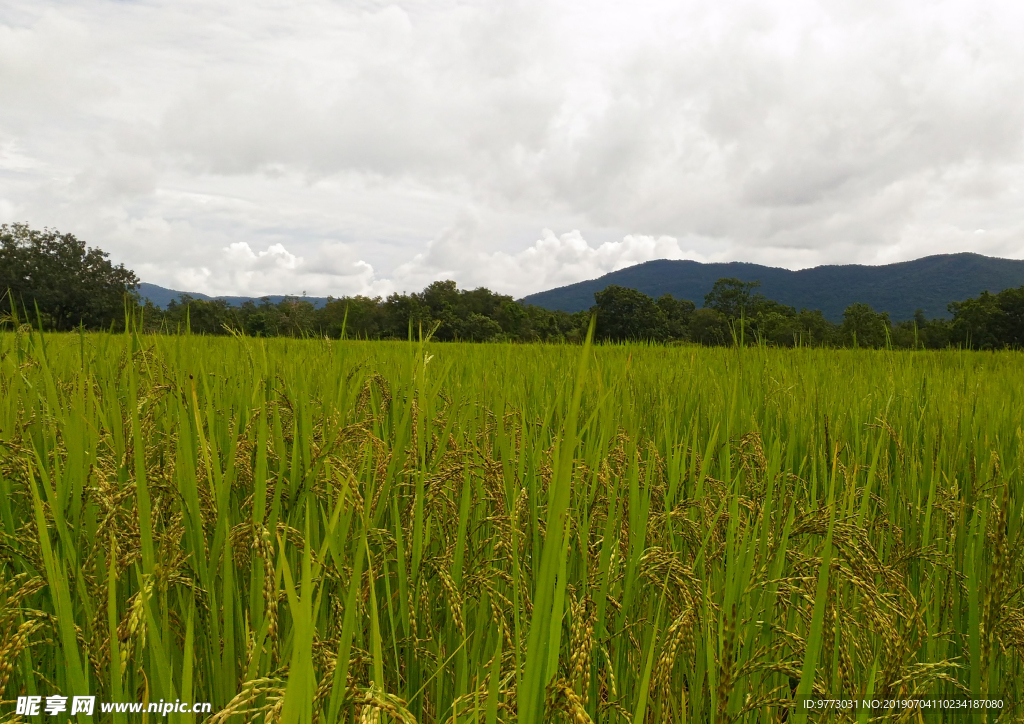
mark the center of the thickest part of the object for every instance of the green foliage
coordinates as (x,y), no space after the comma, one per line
(864,327)
(811,328)
(991,321)
(477,315)
(478,328)
(921,333)
(623,314)
(733,298)
(709,327)
(626,314)
(678,313)
(69,283)
(344,531)
(755,318)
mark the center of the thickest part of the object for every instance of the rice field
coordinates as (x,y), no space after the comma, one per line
(341,531)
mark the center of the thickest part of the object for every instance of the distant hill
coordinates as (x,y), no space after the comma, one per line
(899,289)
(161,297)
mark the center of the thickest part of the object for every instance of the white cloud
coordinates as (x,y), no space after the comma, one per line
(552,261)
(333,270)
(255,147)
(329,270)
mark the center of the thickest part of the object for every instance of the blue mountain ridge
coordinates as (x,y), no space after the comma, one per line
(929,284)
(161,297)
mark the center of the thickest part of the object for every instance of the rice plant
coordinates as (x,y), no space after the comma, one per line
(339,531)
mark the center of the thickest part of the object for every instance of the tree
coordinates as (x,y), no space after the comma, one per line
(441,300)
(972,323)
(361,317)
(70,283)
(1008,325)
(710,327)
(399,312)
(478,328)
(991,321)
(864,327)
(297,316)
(259,321)
(770,321)
(201,316)
(733,298)
(921,333)
(624,313)
(677,315)
(514,320)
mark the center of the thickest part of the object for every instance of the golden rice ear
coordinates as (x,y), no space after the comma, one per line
(376,703)
(564,703)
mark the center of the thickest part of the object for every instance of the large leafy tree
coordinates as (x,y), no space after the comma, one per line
(710,327)
(990,321)
(864,327)
(734,298)
(1009,323)
(973,321)
(677,315)
(624,313)
(67,281)
(811,328)
(361,317)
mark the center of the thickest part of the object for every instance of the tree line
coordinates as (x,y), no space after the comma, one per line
(56,281)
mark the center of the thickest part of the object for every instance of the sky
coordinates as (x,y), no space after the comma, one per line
(337,148)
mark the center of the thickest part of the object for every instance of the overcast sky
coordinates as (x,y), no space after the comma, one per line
(256,146)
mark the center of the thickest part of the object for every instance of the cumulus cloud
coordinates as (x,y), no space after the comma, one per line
(332,269)
(246,147)
(329,270)
(552,261)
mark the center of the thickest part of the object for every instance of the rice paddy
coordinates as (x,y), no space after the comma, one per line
(341,531)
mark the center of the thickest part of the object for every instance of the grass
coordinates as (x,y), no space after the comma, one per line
(319,531)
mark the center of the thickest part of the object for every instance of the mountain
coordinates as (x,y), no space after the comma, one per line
(161,297)
(899,289)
